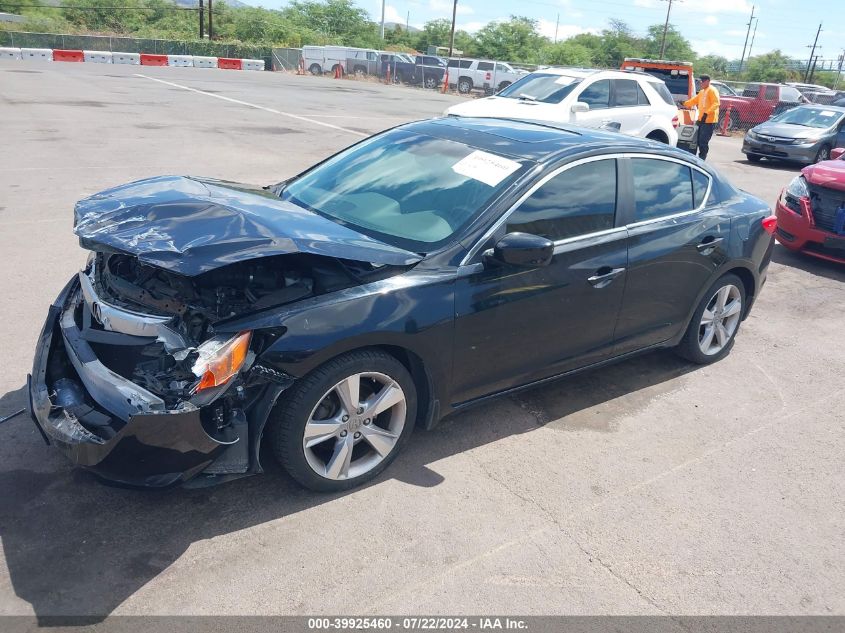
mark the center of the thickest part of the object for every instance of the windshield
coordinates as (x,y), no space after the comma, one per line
(547,88)
(407,189)
(809,117)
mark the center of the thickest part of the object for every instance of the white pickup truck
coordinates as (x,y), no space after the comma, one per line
(479,74)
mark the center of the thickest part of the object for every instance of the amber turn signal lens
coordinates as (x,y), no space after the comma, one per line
(222,363)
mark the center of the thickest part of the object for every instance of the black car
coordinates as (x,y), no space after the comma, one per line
(425,269)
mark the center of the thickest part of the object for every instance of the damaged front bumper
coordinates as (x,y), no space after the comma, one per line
(124,433)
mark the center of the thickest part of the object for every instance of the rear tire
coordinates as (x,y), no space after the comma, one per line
(315,69)
(315,405)
(431,82)
(658,136)
(712,331)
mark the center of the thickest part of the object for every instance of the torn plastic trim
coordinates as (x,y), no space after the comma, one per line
(115,319)
(109,389)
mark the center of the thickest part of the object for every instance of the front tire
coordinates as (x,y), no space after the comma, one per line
(753,158)
(824,154)
(715,323)
(343,423)
(431,82)
(315,69)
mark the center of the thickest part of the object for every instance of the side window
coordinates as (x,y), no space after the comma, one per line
(418,61)
(466,63)
(577,201)
(453,63)
(788,93)
(485,65)
(372,56)
(700,182)
(642,99)
(597,95)
(661,187)
(626,93)
(771,93)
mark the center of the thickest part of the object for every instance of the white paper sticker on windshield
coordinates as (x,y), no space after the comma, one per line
(828,113)
(487,168)
(564,80)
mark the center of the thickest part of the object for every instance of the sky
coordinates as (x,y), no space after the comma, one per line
(712,26)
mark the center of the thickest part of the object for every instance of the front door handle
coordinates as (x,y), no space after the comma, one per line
(604,276)
(708,244)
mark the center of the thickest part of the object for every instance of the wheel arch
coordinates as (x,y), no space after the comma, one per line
(658,135)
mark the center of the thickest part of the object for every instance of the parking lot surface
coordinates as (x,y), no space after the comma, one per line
(650,487)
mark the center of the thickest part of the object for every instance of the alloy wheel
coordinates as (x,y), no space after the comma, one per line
(824,154)
(354,426)
(720,320)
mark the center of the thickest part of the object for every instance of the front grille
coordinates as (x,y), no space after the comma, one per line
(824,204)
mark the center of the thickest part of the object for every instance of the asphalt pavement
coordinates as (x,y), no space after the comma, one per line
(650,487)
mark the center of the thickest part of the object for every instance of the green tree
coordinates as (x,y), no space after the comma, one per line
(769,67)
(434,33)
(568,53)
(714,65)
(677,46)
(516,39)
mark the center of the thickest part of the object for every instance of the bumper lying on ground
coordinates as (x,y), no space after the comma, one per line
(796,233)
(109,425)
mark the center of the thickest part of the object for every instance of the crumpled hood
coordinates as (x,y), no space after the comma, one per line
(830,174)
(192,225)
(787,130)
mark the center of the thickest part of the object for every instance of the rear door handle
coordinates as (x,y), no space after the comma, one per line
(708,244)
(604,276)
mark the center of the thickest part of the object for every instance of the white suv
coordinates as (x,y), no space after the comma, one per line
(472,74)
(630,102)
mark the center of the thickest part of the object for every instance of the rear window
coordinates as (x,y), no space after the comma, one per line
(751,90)
(460,63)
(663,91)
(677,83)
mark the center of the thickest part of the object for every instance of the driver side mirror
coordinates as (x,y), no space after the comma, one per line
(524,250)
(580,106)
(836,154)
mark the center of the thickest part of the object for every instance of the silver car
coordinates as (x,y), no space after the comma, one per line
(803,134)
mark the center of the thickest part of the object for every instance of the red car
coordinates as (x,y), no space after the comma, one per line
(811,210)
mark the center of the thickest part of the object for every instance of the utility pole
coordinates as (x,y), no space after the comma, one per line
(452,34)
(665,28)
(751,19)
(210,21)
(812,53)
(382,18)
(408,21)
(753,35)
(557,25)
(202,21)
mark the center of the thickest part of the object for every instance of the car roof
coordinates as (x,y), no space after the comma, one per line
(821,106)
(537,141)
(571,71)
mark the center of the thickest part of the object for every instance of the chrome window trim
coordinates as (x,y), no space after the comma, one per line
(590,159)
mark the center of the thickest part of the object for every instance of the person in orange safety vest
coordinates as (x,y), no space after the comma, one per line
(707,101)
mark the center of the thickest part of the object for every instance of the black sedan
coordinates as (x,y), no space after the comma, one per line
(423,270)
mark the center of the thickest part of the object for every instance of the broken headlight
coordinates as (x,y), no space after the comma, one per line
(220,359)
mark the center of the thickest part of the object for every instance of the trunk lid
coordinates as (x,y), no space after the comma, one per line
(191,226)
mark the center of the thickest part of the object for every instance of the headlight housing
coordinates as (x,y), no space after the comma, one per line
(798,188)
(220,359)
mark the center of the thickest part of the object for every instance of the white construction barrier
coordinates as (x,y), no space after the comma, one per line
(180,60)
(39,54)
(10,53)
(205,62)
(252,64)
(126,58)
(98,57)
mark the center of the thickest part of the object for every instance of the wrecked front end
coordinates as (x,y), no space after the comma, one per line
(148,398)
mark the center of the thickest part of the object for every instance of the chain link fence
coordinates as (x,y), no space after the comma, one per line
(286,59)
(19,39)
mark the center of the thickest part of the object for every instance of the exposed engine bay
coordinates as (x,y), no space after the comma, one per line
(164,322)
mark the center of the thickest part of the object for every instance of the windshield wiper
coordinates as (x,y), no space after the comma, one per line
(525,97)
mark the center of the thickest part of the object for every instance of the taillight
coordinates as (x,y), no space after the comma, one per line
(675,121)
(770,224)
